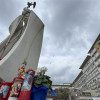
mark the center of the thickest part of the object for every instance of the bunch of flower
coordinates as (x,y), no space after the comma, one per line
(41,79)
(21,71)
(41,71)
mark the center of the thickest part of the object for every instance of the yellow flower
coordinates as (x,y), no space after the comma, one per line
(12,86)
(23,76)
(21,70)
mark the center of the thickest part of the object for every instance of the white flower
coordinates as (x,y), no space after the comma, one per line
(44,69)
(38,71)
(41,71)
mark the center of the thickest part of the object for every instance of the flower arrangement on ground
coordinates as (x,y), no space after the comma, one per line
(41,79)
(41,86)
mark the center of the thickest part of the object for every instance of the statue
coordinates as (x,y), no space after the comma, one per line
(30,4)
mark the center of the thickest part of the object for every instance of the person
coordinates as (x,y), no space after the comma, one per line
(34,4)
(19,87)
(30,4)
(14,92)
(27,83)
(1,92)
(29,79)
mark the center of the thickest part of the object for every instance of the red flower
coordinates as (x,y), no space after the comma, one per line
(23,67)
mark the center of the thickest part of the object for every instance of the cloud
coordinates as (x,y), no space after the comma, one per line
(71,28)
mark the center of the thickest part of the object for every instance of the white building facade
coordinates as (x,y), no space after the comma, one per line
(89,77)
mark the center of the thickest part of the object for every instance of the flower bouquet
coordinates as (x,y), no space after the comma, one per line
(21,72)
(42,84)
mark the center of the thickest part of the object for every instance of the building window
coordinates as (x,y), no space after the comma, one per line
(94,53)
(86,94)
(99,66)
(98,86)
(97,58)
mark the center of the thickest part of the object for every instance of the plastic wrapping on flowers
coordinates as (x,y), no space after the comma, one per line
(21,70)
(43,81)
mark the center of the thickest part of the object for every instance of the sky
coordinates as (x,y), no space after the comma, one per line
(71,27)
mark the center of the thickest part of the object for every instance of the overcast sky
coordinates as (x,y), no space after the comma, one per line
(71,27)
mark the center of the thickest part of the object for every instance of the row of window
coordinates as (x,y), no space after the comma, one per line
(84,80)
(91,60)
(94,81)
(88,70)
